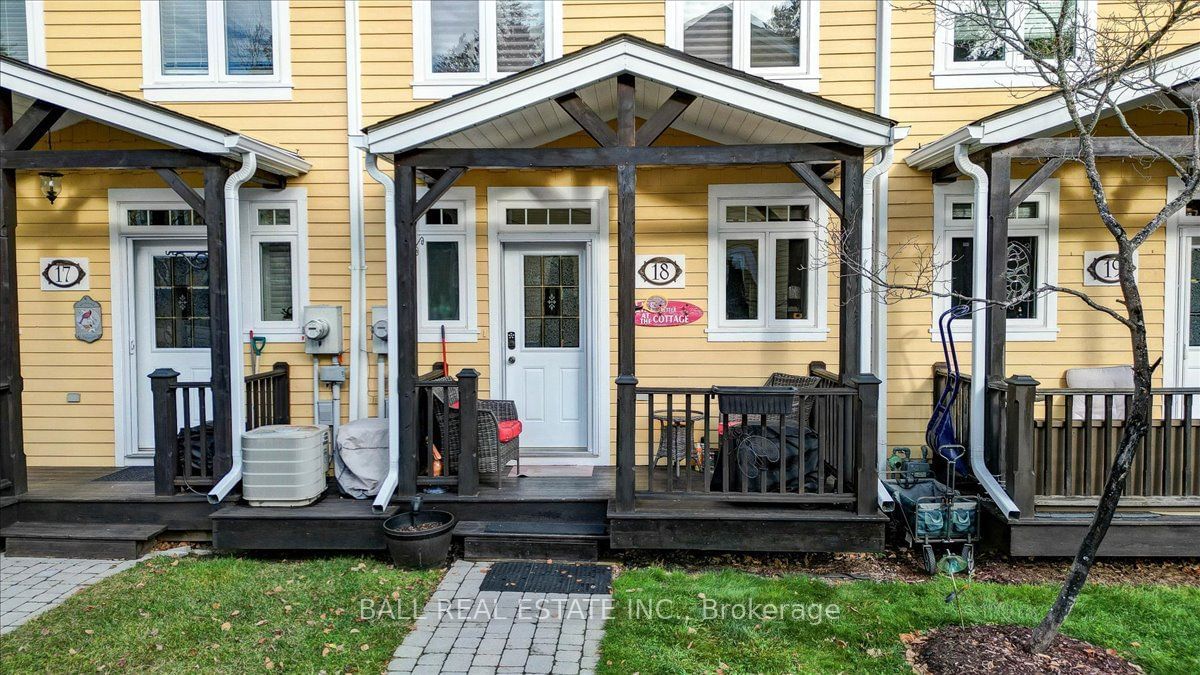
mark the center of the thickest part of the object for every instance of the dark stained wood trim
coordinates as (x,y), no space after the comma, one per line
(436,191)
(669,155)
(187,194)
(27,131)
(626,350)
(626,108)
(946,174)
(587,119)
(12,440)
(814,182)
(106,159)
(851,309)
(664,117)
(999,190)
(1105,146)
(468,408)
(406,331)
(1020,472)
(219,313)
(1031,184)
(866,412)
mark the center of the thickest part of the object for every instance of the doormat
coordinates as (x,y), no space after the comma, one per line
(126,475)
(524,577)
(553,471)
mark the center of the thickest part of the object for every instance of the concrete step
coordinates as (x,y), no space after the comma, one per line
(531,540)
(78,540)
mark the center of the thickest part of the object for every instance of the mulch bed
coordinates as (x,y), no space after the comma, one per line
(1001,650)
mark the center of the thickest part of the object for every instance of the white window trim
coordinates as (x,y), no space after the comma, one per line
(1176,320)
(766,329)
(1013,71)
(465,329)
(805,77)
(1044,227)
(35,32)
(216,85)
(430,86)
(296,234)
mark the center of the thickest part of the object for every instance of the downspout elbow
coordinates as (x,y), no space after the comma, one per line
(388,486)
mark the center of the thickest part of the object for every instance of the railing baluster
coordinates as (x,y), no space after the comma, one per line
(668,436)
(205,457)
(1047,479)
(688,442)
(1087,444)
(1188,426)
(651,455)
(1068,429)
(1167,482)
(705,444)
(783,452)
(1108,435)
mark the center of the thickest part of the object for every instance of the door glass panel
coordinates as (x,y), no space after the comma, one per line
(551,311)
(181,302)
(741,279)
(1194,306)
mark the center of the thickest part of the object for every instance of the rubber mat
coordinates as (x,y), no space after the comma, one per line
(524,577)
(128,474)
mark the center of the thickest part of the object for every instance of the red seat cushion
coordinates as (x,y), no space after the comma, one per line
(509,429)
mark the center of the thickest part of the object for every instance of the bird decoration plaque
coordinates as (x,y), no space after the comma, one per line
(89,324)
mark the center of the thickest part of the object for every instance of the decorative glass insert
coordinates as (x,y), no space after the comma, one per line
(181,301)
(974,39)
(249,37)
(441,216)
(774,33)
(520,34)
(741,279)
(552,308)
(183,34)
(442,280)
(275,280)
(272,217)
(1020,278)
(708,30)
(1194,307)
(791,279)
(551,216)
(14,30)
(163,218)
(454,36)
(759,213)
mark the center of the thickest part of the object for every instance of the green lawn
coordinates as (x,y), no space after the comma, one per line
(224,614)
(1157,627)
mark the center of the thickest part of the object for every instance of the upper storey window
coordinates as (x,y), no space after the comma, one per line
(205,50)
(21,31)
(968,55)
(777,39)
(460,44)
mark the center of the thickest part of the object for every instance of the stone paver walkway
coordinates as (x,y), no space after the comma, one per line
(465,630)
(30,586)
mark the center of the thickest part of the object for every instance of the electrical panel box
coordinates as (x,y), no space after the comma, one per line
(332,374)
(324,413)
(379,329)
(322,326)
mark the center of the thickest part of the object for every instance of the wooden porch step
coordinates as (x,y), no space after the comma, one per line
(75,540)
(531,540)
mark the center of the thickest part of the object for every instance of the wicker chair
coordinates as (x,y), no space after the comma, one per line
(491,455)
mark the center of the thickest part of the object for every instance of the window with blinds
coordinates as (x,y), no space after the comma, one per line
(473,41)
(772,37)
(183,34)
(520,34)
(454,32)
(218,47)
(14,30)
(708,30)
(1038,29)
(275,281)
(973,37)
(249,38)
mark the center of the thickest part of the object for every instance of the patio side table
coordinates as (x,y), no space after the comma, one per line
(676,436)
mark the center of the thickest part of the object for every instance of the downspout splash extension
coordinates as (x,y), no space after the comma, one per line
(237,359)
(963,161)
(388,486)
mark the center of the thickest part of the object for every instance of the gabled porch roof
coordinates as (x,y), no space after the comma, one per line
(732,106)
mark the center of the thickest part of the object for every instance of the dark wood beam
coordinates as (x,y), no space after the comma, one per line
(671,155)
(266,179)
(27,131)
(187,194)
(818,186)
(1031,184)
(946,174)
(1105,146)
(587,119)
(436,191)
(664,117)
(406,330)
(999,208)
(42,160)
(219,313)
(430,175)
(825,169)
(850,270)
(12,439)
(626,263)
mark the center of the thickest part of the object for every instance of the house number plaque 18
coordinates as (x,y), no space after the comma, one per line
(660,271)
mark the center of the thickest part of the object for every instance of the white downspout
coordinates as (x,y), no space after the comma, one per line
(237,358)
(358,269)
(979,261)
(877,170)
(388,487)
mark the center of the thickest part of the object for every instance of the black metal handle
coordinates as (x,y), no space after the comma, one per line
(512,340)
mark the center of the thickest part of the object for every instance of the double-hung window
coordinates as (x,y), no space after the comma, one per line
(777,39)
(275,257)
(1031,255)
(460,44)
(446,269)
(968,54)
(216,50)
(766,283)
(22,31)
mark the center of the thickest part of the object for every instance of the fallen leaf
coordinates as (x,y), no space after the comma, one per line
(216,605)
(268,663)
(364,647)
(260,622)
(91,632)
(226,626)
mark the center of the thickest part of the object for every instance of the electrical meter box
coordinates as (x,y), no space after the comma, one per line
(379,329)
(322,327)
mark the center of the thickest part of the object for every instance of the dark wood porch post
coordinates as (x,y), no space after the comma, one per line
(406,331)
(626,378)
(12,443)
(851,310)
(1020,474)
(999,206)
(218,321)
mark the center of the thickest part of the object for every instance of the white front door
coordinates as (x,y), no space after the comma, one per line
(545,344)
(1189,320)
(171,329)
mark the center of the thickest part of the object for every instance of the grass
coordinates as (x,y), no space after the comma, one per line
(1154,626)
(224,614)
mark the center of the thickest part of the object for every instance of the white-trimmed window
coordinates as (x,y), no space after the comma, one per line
(22,32)
(766,283)
(216,50)
(776,39)
(1032,256)
(274,262)
(461,44)
(446,269)
(966,56)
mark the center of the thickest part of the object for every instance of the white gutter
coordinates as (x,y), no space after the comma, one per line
(978,331)
(388,486)
(358,267)
(237,357)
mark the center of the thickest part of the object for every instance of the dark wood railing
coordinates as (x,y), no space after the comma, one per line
(184,447)
(960,414)
(448,430)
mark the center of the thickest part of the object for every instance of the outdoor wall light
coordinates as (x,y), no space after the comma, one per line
(51,184)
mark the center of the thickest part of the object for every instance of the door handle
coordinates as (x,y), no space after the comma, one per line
(512,340)
(512,360)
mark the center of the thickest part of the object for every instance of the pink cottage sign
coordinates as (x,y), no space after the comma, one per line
(658,312)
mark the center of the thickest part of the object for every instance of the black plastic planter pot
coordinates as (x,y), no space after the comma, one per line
(419,539)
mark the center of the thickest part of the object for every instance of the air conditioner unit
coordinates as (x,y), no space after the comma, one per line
(284,465)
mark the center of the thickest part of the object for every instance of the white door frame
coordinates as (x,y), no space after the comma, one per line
(595,241)
(122,240)
(1179,228)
